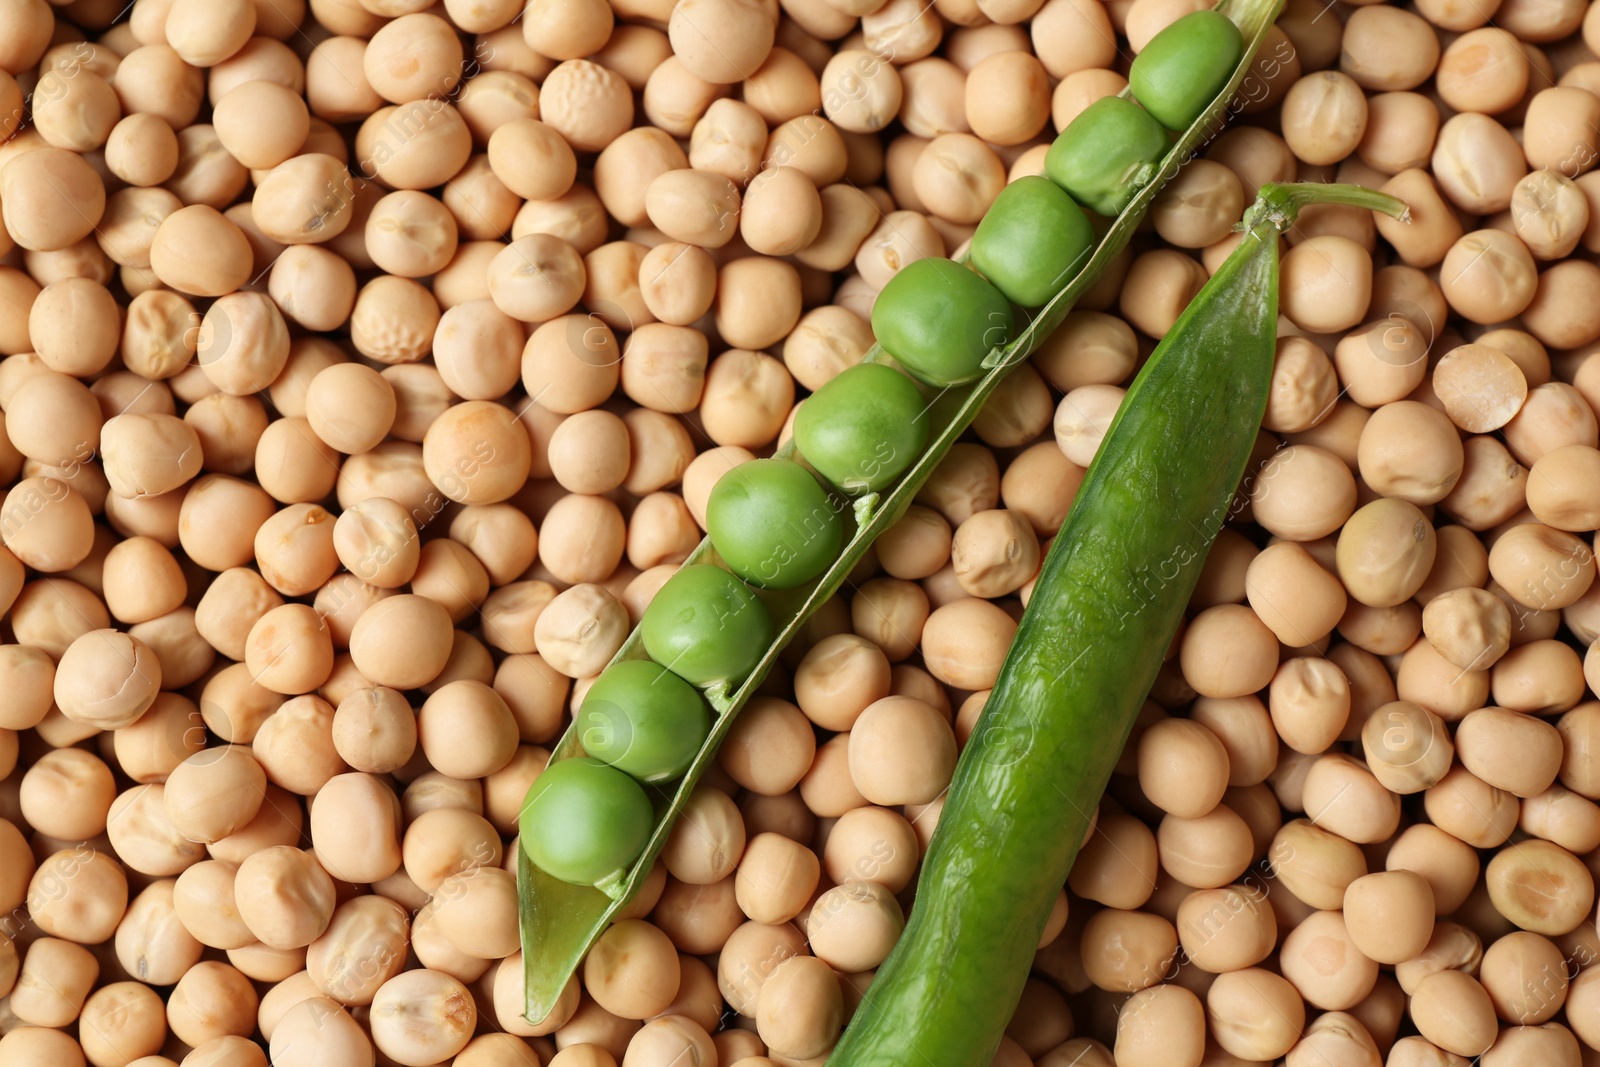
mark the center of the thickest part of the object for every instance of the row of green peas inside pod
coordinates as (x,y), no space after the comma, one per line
(780,523)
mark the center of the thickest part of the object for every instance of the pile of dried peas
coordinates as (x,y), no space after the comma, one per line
(225,831)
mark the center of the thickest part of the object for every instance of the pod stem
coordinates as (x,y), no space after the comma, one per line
(720,696)
(615,884)
(1279,204)
(865,507)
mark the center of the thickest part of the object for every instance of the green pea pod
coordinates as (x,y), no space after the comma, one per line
(1103,612)
(559,921)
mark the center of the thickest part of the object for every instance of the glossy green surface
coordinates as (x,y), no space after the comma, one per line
(706,625)
(584,822)
(641,718)
(1184,66)
(774,524)
(940,320)
(1105,607)
(1031,241)
(1107,154)
(864,428)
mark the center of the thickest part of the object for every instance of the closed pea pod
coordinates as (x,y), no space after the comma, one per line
(985,975)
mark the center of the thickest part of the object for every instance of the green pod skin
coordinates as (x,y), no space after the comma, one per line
(644,720)
(1107,154)
(1031,241)
(584,822)
(1103,613)
(864,428)
(940,320)
(773,524)
(1182,69)
(706,626)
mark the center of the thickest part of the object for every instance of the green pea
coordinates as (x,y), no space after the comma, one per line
(864,428)
(584,822)
(939,319)
(1031,241)
(1185,66)
(641,718)
(1107,154)
(773,523)
(705,625)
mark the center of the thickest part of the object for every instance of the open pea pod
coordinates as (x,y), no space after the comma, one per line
(560,921)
